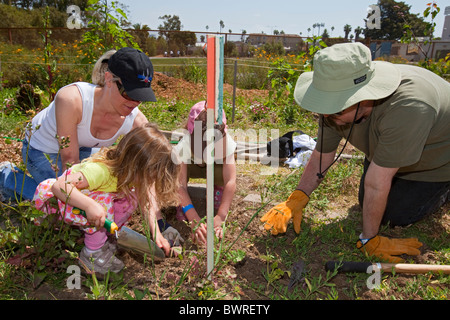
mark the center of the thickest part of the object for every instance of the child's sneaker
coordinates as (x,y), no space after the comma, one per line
(3,166)
(101,261)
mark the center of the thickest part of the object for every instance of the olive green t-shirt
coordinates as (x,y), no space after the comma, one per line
(410,130)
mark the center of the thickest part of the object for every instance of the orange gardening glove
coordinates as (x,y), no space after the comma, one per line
(277,219)
(387,249)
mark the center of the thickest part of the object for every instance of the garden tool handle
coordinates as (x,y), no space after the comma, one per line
(109,225)
(362,267)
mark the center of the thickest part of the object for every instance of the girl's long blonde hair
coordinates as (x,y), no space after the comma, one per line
(143,160)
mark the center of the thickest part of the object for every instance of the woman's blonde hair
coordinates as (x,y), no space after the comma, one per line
(100,67)
(142,160)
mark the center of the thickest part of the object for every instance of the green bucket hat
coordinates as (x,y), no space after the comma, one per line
(344,74)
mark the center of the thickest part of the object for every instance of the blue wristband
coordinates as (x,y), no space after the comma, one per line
(187,208)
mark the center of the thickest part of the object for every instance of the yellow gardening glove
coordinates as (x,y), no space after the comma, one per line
(277,219)
(387,249)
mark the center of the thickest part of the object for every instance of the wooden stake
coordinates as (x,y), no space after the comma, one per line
(211,106)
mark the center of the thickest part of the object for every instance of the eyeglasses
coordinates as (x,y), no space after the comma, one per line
(123,92)
(340,113)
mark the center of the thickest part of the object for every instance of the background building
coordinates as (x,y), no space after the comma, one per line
(446,29)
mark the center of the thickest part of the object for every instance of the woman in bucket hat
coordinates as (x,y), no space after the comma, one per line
(90,115)
(398,115)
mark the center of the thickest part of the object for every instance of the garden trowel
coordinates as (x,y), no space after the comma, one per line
(130,239)
(134,241)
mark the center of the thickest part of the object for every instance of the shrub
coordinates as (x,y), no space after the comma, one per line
(27,99)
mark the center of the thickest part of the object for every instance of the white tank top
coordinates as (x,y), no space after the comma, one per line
(44,139)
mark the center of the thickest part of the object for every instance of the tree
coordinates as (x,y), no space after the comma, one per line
(394,15)
(170,23)
(171,30)
(347,30)
(142,37)
(106,32)
(244,32)
(358,32)
(318,25)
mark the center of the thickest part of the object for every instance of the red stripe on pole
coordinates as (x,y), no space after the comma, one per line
(211,72)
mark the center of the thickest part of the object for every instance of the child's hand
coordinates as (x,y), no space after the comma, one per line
(163,243)
(218,222)
(199,232)
(96,215)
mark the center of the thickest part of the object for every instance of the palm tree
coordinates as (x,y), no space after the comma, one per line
(319,24)
(244,32)
(347,29)
(358,31)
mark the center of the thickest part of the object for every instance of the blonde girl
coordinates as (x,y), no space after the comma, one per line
(137,173)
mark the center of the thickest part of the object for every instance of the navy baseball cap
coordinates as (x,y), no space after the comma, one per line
(135,71)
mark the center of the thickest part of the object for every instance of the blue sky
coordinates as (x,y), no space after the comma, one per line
(291,16)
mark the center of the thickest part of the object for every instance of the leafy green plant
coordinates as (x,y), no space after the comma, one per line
(410,37)
(49,67)
(282,78)
(27,98)
(105,30)
(440,67)
(8,104)
(273,272)
(194,73)
(315,44)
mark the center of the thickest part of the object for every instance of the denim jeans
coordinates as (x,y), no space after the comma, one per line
(410,201)
(16,185)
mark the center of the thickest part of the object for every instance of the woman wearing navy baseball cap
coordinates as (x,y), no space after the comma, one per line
(88,115)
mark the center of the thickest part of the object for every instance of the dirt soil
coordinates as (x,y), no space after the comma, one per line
(236,279)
